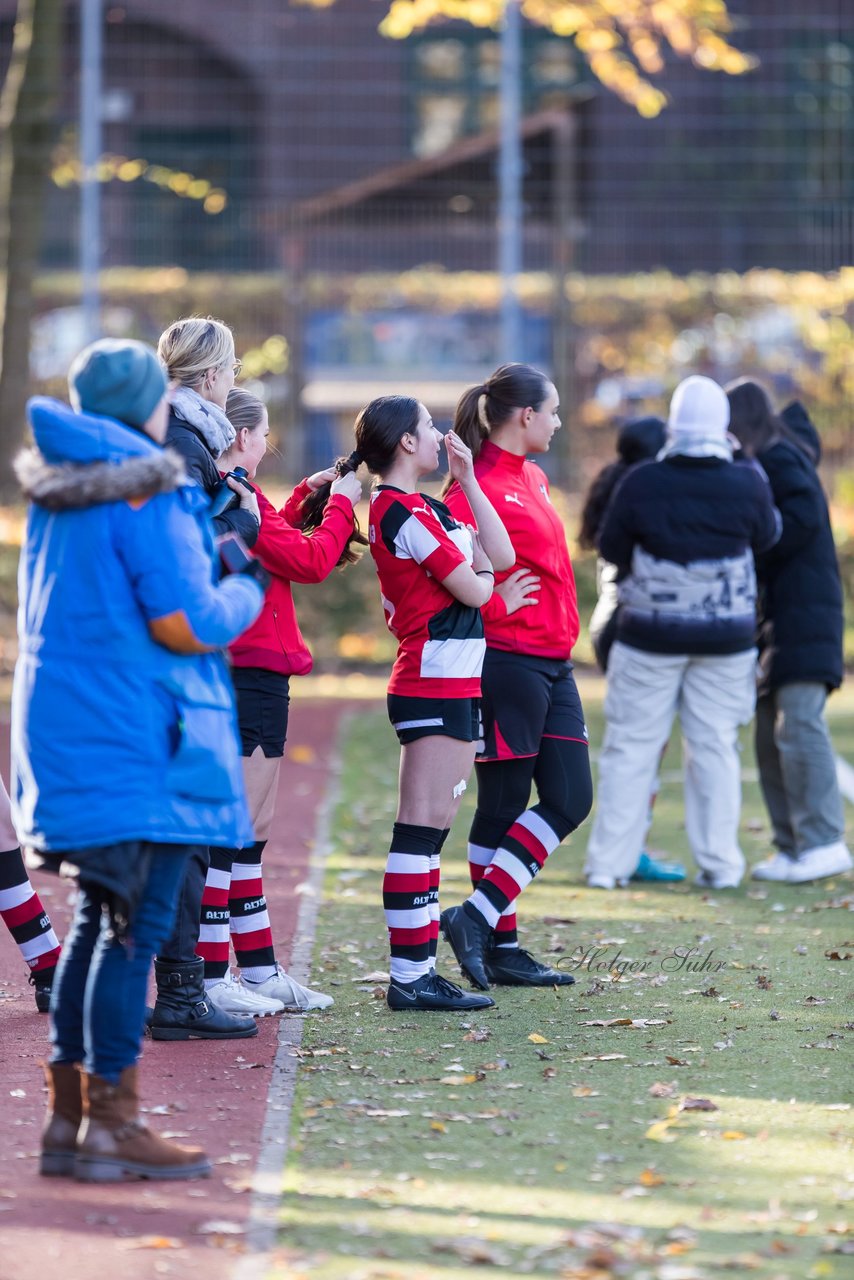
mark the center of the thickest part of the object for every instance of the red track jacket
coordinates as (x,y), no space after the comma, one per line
(519,491)
(274,640)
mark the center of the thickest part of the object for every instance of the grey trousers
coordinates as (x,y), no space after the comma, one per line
(797,769)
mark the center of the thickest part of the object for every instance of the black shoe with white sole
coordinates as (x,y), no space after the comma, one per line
(434,992)
(514,967)
(470,938)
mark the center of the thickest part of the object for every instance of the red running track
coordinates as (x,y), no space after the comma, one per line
(212,1094)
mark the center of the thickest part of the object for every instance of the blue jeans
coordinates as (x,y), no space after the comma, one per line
(98,1001)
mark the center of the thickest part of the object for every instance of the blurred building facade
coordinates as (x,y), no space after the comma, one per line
(266,136)
(275,105)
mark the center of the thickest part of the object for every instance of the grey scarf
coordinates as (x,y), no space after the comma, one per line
(206,417)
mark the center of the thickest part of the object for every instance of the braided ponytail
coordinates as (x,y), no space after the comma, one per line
(314,505)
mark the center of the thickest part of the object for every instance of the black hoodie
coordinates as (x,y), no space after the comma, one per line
(800,593)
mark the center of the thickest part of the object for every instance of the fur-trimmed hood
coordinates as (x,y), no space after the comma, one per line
(82,460)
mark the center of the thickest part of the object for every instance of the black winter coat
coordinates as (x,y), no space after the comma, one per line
(201,467)
(800,593)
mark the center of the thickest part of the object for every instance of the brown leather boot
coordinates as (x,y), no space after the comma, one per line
(114,1143)
(64,1114)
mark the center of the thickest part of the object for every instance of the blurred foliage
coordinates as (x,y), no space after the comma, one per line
(634,337)
(623,42)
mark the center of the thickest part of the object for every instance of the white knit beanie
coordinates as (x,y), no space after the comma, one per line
(699,407)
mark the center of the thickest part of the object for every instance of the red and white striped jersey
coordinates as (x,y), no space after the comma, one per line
(416,543)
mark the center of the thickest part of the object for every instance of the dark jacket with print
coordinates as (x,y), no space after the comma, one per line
(682,532)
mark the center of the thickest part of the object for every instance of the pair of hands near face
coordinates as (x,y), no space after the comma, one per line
(518,589)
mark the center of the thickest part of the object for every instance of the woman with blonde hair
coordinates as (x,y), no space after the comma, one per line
(263,660)
(198,356)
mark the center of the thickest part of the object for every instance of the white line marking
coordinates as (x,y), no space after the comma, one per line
(262,1224)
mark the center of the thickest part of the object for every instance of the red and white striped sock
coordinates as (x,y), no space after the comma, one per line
(505,930)
(213,944)
(407,899)
(23,914)
(251,932)
(433,906)
(520,856)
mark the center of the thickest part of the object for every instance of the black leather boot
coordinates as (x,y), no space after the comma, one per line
(181,1011)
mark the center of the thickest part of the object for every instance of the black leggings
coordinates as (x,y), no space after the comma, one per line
(561,771)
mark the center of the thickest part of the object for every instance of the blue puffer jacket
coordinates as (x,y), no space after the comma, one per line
(123,721)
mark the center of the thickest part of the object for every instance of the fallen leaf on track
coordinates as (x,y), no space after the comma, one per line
(153,1242)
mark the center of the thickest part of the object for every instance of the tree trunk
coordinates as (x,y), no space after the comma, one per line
(27,123)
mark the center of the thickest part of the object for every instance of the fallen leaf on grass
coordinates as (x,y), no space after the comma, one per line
(549,1073)
(662,1090)
(839,954)
(660,1131)
(320,1053)
(676,1062)
(584,1091)
(378,1113)
(698,1104)
(474,1252)
(478,1036)
(733,1135)
(471,1078)
(649,1178)
(637,1024)
(536,1038)
(599,1057)
(763,981)
(437,1126)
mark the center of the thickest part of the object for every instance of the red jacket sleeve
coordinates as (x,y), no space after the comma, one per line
(291,509)
(303,557)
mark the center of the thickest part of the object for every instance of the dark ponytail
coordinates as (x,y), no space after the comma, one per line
(314,505)
(378,429)
(381,426)
(489,405)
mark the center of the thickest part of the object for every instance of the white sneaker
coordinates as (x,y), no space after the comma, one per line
(815,864)
(705,880)
(231,996)
(605,882)
(779,867)
(287,992)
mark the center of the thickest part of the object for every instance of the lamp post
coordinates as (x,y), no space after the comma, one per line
(510,182)
(91,46)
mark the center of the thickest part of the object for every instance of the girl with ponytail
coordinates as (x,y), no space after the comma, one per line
(434,575)
(313,532)
(533,722)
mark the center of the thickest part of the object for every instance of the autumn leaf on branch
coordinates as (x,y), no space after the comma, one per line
(621,40)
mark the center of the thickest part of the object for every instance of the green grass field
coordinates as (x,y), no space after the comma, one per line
(712,1135)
